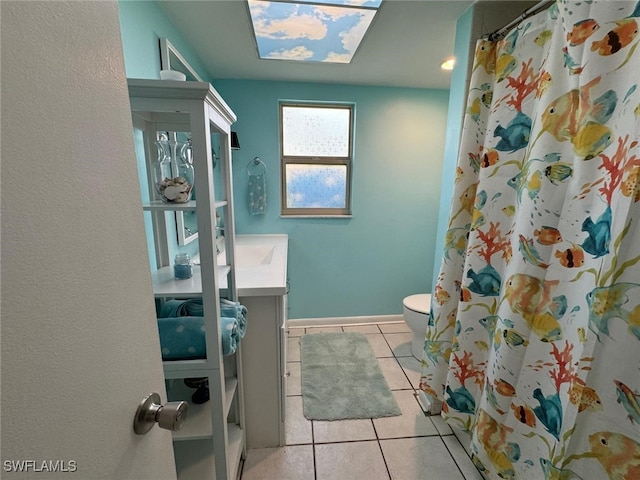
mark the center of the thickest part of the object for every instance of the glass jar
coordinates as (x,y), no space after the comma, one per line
(184,165)
(173,170)
(161,168)
(182,268)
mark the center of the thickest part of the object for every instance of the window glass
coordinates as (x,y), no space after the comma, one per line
(316,186)
(315,132)
(316,158)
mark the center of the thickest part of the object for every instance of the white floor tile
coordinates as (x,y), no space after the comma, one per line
(400,343)
(284,463)
(311,330)
(442,426)
(343,431)
(414,446)
(464,438)
(293,349)
(397,327)
(297,429)
(362,328)
(412,422)
(422,458)
(393,374)
(350,461)
(294,380)
(412,369)
(379,345)
(465,464)
(296,331)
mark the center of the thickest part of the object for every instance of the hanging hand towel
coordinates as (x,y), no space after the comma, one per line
(257,188)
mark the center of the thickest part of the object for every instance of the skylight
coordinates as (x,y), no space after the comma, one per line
(311,30)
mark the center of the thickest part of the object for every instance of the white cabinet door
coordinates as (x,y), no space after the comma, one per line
(262,362)
(79,338)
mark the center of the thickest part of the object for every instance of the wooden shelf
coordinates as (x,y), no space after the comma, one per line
(165,285)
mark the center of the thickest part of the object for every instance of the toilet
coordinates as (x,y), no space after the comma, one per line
(416,310)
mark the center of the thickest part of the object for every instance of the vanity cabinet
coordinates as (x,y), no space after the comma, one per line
(266,370)
(211,444)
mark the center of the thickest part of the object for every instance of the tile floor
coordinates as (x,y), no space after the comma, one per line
(411,446)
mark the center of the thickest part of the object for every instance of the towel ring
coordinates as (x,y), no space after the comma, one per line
(256,162)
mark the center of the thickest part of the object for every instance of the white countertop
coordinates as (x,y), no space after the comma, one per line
(261,270)
(263,279)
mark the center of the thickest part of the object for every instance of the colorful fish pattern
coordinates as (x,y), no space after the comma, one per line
(581,31)
(547,235)
(533,343)
(630,400)
(618,454)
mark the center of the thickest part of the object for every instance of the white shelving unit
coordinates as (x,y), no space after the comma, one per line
(212,442)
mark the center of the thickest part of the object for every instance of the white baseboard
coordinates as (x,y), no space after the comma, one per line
(340,321)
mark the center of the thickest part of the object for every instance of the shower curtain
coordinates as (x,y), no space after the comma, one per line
(533,344)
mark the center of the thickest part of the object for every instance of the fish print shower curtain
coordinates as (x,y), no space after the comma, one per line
(533,344)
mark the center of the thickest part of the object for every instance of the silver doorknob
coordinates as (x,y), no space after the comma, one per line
(170,416)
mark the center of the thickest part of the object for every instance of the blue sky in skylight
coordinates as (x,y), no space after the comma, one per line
(312,33)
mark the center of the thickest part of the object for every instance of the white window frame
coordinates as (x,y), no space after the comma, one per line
(316,160)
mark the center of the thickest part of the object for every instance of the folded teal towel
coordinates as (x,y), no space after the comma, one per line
(230,335)
(229,308)
(182,308)
(181,328)
(193,307)
(182,338)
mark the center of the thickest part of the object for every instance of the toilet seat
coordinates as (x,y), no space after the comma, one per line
(420,303)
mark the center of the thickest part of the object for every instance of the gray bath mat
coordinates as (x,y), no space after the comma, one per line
(341,379)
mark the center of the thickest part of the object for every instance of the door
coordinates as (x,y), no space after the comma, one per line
(79,338)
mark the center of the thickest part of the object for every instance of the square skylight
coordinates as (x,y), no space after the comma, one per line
(311,30)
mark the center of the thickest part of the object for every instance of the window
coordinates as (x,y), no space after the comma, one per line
(316,146)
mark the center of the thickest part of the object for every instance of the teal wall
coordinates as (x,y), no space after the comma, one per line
(143,23)
(457,103)
(364,265)
(367,264)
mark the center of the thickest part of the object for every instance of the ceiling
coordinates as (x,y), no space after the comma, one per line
(407,42)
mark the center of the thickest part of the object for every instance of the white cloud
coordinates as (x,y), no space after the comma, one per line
(297,53)
(334,13)
(257,8)
(295,198)
(334,57)
(293,27)
(330,181)
(352,37)
(338,199)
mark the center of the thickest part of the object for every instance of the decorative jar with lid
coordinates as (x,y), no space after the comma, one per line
(182,268)
(172,175)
